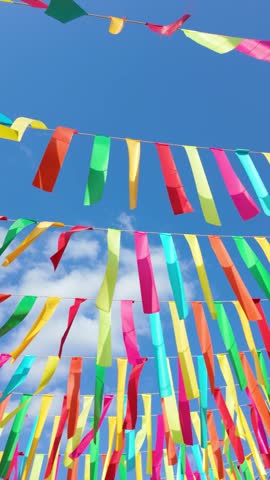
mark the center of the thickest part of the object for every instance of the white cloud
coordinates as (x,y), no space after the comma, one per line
(125,221)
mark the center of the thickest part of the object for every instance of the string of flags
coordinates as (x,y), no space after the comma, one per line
(70,10)
(57,148)
(178,426)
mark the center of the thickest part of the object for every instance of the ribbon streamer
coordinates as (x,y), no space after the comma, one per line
(255,179)
(263,326)
(22,310)
(245,205)
(53,159)
(71,317)
(230,344)
(255,393)
(14,436)
(121,381)
(204,192)
(19,376)
(175,275)
(184,354)
(234,278)
(146,275)
(129,332)
(265,246)
(147,402)
(98,170)
(134,153)
(37,466)
(14,230)
(160,355)
(132,402)
(178,199)
(43,414)
(57,438)
(254,265)
(105,295)
(201,271)
(172,413)
(91,434)
(205,341)
(157,454)
(184,409)
(64,11)
(38,230)
(73,394)
(214,444)
(168,30)
(63,241)
(203,388)
(21,124)
(45,315)
(74,441)
(104,348)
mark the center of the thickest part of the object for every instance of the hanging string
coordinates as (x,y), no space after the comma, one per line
(126,230)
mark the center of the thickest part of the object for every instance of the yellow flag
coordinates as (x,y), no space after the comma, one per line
(250,466)
(49,371)
(37,466)
(8,133)
(267,156)
(116,25)
(22,123)
(43,318)
(147,402)
(227,374)
(54,430)
(169,474)
(196,425)
(43,414)
(217,43)
(134,153)
(74,441)
(87,466)
(138,466)
(112,427)
(265,246)
(172,412)
(38,230)
(184,354)
(104,350)
(121,382)
(251,443)
(205,195)
(199,264)
(212,460)
(140,436)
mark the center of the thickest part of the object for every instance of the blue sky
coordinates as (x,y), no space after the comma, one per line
(135,85)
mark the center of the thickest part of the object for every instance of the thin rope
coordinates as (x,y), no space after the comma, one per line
(174,234)
(89,299)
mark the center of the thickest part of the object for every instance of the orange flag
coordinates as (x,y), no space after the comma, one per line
(234,278)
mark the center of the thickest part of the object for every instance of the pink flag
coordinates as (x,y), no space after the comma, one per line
(245,205)
(4,358)
(168,29)
(146,276)
(129,332)
(90,435)
(63,242)
(158,453)
(255,48)
(71,316)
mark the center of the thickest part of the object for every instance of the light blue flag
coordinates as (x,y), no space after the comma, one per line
(255,179)
(130,449)
(4,120)
(198,459)
(164,383)
(203,388)
(175,275)
(19,376)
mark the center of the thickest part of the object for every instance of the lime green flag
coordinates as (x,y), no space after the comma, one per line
(230,343)
(105,295)
(98,170)
(253,263)
(21,311)
(14,436)
(14,230)
(64,10)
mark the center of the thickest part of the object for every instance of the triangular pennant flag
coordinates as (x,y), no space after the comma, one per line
(168,30)
(64,10)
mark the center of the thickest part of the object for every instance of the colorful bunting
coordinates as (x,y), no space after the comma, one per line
(160,355)
(134,154)
(22,310)
(64,11)
(129,332)
(168,30)
(14,230)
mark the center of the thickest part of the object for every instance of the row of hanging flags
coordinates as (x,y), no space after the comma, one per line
(70,10)
(57,148)
(196,432)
